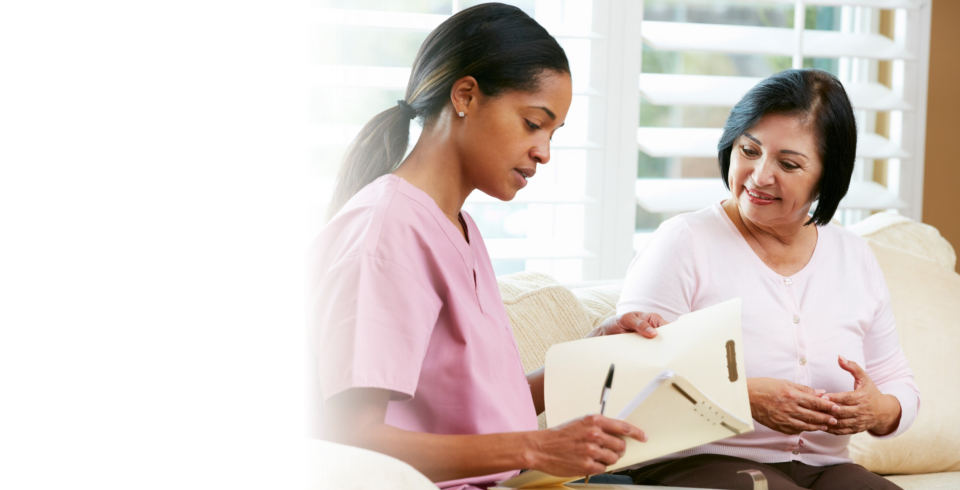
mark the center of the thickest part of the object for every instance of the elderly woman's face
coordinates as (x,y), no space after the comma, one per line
(774,171)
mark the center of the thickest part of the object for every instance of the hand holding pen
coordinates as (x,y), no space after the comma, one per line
(603,398)
(561,450)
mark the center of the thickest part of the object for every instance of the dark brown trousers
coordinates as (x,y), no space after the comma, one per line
(720,472)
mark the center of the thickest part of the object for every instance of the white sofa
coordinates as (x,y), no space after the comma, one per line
(918,265)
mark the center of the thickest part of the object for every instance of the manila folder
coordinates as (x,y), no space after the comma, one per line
(684,388)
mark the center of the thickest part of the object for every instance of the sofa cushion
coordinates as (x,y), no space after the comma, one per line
(926,305)
(932,481)
(901,232)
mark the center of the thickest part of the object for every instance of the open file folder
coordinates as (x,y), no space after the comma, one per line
(684,388)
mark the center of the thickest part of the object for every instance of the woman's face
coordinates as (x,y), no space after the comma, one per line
(506,136)
(774,171)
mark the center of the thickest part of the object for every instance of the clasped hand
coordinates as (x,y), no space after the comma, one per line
(792,408)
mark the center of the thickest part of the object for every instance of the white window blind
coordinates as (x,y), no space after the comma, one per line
(701,57)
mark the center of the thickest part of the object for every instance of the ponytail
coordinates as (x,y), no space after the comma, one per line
(376,151)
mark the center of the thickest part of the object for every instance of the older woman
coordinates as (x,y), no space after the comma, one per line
(822,356)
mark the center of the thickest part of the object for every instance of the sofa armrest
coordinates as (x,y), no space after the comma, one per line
(331,465)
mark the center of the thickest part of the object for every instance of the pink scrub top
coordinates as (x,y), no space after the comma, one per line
(398,300)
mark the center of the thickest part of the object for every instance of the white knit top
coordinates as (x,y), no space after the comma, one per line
(793,327)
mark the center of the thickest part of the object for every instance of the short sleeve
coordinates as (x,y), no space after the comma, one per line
(374,321)
(885,361)
(662,277)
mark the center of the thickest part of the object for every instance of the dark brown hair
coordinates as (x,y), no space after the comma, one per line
(499,45)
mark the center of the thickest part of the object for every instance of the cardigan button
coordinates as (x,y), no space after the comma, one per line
(796,319)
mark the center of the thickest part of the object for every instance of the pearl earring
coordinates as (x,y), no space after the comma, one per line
(460,114)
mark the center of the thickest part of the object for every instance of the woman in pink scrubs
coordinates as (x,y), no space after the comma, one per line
(412,351)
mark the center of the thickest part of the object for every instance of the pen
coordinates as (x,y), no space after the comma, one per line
(603,400)
(606,389)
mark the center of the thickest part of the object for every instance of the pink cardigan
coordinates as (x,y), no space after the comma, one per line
(793,327)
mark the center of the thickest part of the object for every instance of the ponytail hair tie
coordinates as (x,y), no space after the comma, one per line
(407,109)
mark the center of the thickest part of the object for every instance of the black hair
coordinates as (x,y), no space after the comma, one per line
(820,100)
(499,45)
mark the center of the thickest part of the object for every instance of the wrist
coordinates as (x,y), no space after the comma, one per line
(754,390)
(530,452)
(890,416)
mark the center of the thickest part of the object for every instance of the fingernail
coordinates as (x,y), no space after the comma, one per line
(842,358)
(827,398)
(823,427)
(820,392)
(835,408)
(651,331)
(832,421)
(643,438)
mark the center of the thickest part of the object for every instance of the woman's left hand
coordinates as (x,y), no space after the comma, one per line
(864,408)
(645,324)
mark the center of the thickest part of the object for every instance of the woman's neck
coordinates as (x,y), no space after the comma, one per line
(785,234)
(434,167)
(785,248)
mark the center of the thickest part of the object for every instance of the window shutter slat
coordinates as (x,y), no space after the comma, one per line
(416,22)
(718,38)
(719,91)
(545,194)
(382,77)
(702,143)
(319,192)
(880,4)
(526,249)
(344,134)
(678,195)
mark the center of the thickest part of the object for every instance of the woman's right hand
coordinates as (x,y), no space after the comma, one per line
(788,407)
(584,446)
(645,324)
